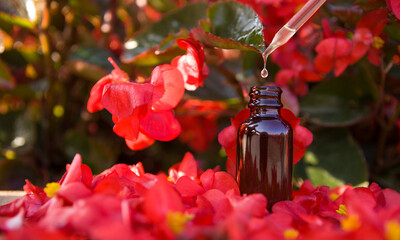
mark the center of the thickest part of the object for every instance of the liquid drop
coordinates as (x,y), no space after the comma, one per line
(264,73)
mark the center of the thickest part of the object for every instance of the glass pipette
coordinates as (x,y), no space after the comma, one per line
(290,28)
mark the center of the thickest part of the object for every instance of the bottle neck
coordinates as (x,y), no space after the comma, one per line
(265,112)
(265,101)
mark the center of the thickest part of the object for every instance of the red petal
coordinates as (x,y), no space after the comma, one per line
(192,64)
(188,166)
(160,199)
(227,137)
(310,76)
(74,191)
(187,187)
(168,87)
(302,137)
(323,63)
(74,171)
(334,47)
(127,127)
(207,179)
(160,125)
(283,77)
(374,56)
(224,182)
(340,65)
(121,99)
(375,20)
(143,141)
(240,117)
(94,102)
(289,117)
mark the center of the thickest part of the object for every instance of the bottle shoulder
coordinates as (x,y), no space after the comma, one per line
(265,124)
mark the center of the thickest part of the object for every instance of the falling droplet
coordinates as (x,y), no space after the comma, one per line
(264,73)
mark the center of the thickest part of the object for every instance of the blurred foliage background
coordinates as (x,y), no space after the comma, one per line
(52,53)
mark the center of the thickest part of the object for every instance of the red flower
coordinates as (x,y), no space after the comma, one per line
(296,71)
(333,53)
(141,111)
(191,65)
(198,121)
(337,52)
(227,137)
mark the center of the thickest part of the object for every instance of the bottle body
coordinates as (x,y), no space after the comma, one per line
(265,148)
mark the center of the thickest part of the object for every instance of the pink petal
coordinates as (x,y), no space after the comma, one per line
(168,87)
(395,5)
(74,171)
(121,99)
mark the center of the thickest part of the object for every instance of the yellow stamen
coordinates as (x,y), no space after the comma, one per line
(51,189)
(342,210)
(350,223)
(177,221)
(291,233)
(392,230)
(378,42)
(333,196)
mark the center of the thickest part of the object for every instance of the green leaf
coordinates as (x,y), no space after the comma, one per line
(237,22)
(93,55)
(162,5)
(333,159)
(148,39)
(341,101)
(7,22)
(20,57)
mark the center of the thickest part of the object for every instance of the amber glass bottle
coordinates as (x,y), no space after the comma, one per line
(265,148)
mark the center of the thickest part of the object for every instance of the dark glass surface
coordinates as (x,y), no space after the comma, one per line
(265,152)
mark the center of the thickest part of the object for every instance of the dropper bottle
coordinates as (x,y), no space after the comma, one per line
(290,28)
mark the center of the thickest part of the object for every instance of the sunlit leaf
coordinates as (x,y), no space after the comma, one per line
(233,23)
(333,159)
(186,17)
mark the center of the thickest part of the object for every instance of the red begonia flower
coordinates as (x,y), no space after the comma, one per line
(332,53)
(142,141)
(191,65)
(96,94)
